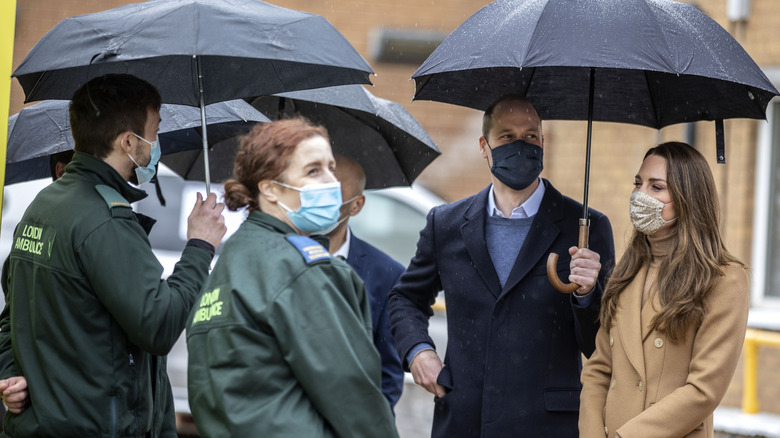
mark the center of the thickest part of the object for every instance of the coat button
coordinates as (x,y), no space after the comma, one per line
(606,430)
(658,342)
(640,385)
(611,341)
(614,382)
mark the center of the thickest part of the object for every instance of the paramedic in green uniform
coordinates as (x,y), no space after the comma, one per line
(87,317)
(280,341)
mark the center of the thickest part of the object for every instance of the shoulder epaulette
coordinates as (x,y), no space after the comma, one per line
(309,249)
(116,203)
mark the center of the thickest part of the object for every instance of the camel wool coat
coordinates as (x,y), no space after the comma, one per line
(638,384)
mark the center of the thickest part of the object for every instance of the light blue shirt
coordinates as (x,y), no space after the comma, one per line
(527,209)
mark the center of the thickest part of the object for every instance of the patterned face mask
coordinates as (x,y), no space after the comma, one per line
(645,212)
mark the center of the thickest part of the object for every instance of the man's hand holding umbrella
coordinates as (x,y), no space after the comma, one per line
(584,269)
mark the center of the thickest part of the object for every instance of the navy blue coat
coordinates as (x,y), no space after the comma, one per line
(380,273)
(512,366)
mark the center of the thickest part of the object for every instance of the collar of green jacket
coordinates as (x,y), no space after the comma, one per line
(268,221)
(102,173)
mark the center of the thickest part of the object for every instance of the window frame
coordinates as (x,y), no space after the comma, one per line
(764,214)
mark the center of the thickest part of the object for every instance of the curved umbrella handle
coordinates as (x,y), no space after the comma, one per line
(552,261)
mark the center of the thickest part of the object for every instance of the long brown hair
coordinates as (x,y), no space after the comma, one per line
(691,270)
(265,153)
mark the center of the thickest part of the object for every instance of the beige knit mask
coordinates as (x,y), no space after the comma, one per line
(645,212)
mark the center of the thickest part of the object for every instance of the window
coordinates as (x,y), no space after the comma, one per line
(392,224)
(403,46)
(766,225)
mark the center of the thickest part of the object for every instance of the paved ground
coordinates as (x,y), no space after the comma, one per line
(732,423)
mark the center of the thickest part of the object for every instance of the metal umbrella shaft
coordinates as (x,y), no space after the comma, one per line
(552,259)
(203,124)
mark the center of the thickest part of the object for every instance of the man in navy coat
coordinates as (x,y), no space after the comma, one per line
(378,271)
(513,358)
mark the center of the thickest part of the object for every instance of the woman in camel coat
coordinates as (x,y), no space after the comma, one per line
(674,312)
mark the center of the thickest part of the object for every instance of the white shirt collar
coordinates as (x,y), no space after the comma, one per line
(344,249)
(527,209)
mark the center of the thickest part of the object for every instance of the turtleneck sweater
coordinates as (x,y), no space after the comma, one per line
(660,247)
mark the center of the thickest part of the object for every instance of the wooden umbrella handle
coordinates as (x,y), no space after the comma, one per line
(552,261)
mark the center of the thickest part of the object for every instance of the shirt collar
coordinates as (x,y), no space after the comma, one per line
(527,209)
(344,249)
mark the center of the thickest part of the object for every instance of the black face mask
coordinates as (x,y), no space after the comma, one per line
(517,164)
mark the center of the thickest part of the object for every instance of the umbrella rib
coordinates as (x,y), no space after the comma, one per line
(756,102)
(530,79)
(37,82)
(533,35)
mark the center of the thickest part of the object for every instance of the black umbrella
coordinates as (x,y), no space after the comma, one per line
(195,52)
(191,165)
(43,129)
(646,62)
(381,135)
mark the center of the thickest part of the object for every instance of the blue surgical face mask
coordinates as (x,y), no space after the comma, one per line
(145,174)
(320,205)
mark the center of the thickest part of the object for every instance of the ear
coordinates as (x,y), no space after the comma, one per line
(483,148)
(59,169)
(268,190)
(357,205)
(123,141)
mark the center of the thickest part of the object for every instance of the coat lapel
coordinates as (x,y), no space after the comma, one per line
(629,324)
(540,237)
(473,232)
(356,255)
(649,310)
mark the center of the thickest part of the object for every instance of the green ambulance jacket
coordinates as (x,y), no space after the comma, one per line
(87,317)
(280,342)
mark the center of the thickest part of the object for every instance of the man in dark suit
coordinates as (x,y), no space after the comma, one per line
(514,342)
(378,271)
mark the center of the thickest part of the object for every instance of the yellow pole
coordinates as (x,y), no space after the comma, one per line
(754,338)
(749,376)
(7,29)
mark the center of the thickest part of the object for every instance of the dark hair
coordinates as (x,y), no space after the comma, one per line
(63,157)
(263,154)
(691,270)
(107,106)
(487,118)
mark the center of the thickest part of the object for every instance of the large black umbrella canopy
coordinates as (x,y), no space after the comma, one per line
(195,52)
(381,135)
(43,129)
(657,62)
(645,62)
(242,47)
